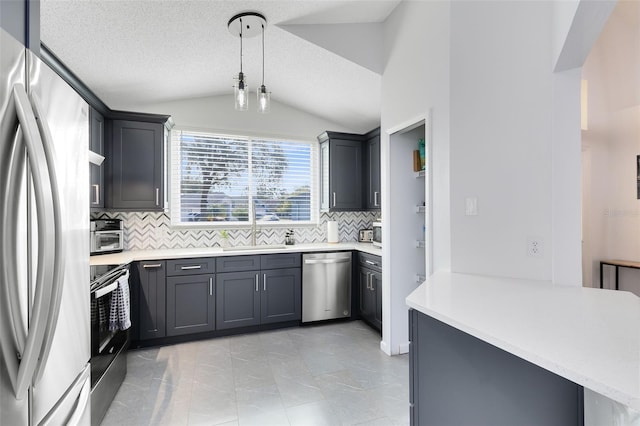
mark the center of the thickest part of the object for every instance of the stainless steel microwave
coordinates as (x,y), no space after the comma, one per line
(107,236)
(377,234)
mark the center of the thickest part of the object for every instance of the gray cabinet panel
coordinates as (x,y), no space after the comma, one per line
(198,266)
(237,299)
(137,168)
(190,304)
(238,263)
(345,178)
(277,261)
(370,289)
(372,171)
(281,297)
(341,166)
(457,379)
(152,299)
(376,289)
(96,144)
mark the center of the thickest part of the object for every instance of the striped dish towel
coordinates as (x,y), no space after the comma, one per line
(120,312)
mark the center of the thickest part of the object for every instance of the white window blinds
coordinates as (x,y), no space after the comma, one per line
(219,179)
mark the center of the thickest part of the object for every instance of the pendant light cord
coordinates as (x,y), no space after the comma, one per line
(263,55)
(240,45)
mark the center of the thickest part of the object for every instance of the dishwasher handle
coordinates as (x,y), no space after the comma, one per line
(325,261)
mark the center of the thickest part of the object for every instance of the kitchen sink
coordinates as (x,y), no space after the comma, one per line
(264,247)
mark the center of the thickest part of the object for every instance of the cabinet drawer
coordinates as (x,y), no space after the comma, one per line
(370,261)
(203,265)
(278,261)
(238,263)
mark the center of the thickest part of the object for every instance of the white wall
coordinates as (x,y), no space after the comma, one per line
(611,209)
(501,101)
(415,83)
(218,114)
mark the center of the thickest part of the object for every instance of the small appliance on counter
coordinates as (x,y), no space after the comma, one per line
(107,236)
(365,236)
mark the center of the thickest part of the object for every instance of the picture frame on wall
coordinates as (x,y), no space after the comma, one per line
(638,176)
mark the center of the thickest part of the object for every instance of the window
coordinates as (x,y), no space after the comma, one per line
(218,179)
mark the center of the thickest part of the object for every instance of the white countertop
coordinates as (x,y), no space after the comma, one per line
(135,255)
(589,336)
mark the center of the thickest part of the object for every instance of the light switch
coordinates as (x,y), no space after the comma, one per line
(471,206)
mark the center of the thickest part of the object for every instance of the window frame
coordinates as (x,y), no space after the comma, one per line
(175,177)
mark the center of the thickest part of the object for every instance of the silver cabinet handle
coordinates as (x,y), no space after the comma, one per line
(264,282)
(257,282)
(96,192)
(368,281)
(371,262)
(210,286)
(375,198)
(187,268)
(152,266)
(334,199)
(157,196)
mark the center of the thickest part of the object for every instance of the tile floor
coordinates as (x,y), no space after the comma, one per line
(332,374)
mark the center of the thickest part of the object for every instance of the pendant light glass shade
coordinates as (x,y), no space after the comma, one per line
(264,100)
(241,94)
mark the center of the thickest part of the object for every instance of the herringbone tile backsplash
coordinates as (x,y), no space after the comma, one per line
(151,230)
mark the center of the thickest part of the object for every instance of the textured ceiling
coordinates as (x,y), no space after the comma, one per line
(142,52)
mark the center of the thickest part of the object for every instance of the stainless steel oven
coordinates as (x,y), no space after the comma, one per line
(108,347)
(107,236)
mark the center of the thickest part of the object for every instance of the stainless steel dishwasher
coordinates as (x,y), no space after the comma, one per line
(326,286)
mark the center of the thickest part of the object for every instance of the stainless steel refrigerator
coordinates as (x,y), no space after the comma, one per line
(44,244)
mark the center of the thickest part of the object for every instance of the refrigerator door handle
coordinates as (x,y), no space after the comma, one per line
(59,414)
(58,253)
(22,366)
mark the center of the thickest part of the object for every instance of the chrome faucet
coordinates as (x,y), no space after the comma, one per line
(254,230)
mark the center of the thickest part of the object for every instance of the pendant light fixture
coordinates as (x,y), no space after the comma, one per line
(264,97)
(246,25)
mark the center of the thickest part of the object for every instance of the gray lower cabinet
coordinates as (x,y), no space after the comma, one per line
(271,292)
(370,289)
(281,295)
(152,300)
(457,379)
(191,306)
(237,299)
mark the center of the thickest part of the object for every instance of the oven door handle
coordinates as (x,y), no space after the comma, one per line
(105,290)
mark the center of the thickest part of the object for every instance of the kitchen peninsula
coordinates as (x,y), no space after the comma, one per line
(513,344)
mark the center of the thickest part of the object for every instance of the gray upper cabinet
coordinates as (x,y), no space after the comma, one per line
(372,184)
(137,166)
(341,165)
(152,299)
(190,304)
(96,144)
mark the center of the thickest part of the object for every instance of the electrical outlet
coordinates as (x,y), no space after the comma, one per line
(534,247)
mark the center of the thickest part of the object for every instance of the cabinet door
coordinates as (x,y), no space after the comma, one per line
(152,300)
(376,289)
(96,144)
(345,176)
(237,299)
(137,166)
(373,173)
(281,296)
(324,176)
(190,304)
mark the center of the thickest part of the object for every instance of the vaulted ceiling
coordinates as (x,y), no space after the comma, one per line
(321,57)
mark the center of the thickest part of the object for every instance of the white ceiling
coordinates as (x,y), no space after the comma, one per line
(142,52)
